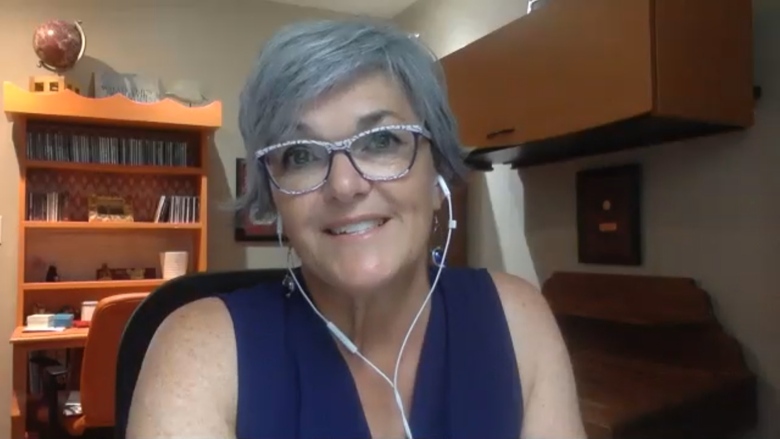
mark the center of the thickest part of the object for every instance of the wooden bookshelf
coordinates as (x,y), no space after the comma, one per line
(71,147)
(113,110)
(86,225)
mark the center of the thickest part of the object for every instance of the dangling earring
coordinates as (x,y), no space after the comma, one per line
(288,282)
(437,254)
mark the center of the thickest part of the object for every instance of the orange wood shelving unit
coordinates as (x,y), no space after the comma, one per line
(77,146)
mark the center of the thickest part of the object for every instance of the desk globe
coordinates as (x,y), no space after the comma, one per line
(59,44)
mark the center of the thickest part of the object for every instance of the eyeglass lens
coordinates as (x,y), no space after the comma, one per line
(378,155)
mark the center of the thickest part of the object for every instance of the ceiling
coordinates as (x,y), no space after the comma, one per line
(374,8)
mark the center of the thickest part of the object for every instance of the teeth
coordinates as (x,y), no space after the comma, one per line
(357,228)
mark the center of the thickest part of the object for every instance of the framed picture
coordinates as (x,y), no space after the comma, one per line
(106,208)
(246,229)
(608,215)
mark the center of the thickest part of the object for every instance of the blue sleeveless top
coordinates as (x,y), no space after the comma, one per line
(293,383)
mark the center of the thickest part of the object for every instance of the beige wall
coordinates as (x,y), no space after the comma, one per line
(711,206)
(209,41)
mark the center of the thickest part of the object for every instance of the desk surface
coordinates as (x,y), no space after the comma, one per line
(73,336)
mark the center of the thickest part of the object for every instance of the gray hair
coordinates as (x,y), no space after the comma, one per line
(305,60)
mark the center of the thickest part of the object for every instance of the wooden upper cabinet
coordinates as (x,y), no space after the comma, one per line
(578,77)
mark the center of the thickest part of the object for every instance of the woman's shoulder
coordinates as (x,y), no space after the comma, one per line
(535,334)
(180,354)
(520,298)
(212,318)
(528,315)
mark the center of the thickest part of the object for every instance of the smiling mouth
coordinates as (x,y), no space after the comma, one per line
(357,228)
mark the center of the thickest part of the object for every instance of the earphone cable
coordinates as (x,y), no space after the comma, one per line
(351,347)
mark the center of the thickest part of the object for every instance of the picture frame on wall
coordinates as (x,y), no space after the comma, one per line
(246,228)
(609,215)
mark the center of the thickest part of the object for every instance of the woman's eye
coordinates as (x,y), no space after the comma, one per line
(382,140)
(297,156)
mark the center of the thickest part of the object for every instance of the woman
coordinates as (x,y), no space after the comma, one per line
(355,145)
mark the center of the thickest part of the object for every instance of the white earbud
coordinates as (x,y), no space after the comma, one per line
(442,183)
(443,186)
(279,227)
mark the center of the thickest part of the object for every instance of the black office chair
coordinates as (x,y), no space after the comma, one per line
(154,309)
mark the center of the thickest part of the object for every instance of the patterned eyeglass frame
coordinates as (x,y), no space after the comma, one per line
(344,147)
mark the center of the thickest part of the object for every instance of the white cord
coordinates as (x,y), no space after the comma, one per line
(351,347)
(451,226)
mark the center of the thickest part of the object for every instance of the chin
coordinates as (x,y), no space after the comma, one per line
(362,274)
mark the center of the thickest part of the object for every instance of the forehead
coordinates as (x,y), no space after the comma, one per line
(372,100)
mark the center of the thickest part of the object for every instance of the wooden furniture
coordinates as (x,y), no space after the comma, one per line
(97,380)
(72,148)
(582,77)
(650,359)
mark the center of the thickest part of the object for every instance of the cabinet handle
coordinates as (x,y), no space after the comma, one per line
(500,132)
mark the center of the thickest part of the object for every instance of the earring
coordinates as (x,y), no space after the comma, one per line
(288,283)
(437,254)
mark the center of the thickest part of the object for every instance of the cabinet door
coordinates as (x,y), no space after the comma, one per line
(474,95)
(569,66)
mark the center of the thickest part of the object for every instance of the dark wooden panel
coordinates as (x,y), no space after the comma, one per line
(650,358)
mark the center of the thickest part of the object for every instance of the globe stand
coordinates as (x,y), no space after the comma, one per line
(61,62)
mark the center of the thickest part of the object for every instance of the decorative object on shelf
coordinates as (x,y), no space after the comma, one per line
(139,88)
(52,84)
(59,44)
(136,273)
(87,309)
(51,274)
(105,208)
(247,227)
(133,273)
(608,215)
(107,273)
(103,273)
(174,264)
(187,92)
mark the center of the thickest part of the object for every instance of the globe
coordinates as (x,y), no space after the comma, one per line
(59,44)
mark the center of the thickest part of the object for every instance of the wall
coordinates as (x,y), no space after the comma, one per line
(710,206)
(208,41)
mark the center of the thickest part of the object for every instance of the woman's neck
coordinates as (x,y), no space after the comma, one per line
(379,319)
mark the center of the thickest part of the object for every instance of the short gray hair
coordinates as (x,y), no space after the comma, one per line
(305,60)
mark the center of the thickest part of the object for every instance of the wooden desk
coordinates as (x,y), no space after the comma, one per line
(22,344)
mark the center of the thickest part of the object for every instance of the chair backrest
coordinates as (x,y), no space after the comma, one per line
(100,355)
(154,309)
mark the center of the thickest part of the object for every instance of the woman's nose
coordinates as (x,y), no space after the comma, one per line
(345,182)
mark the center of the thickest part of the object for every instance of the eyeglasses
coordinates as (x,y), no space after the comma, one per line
(379,154)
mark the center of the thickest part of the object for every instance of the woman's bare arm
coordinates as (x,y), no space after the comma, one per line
(551,407)
(187,387)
